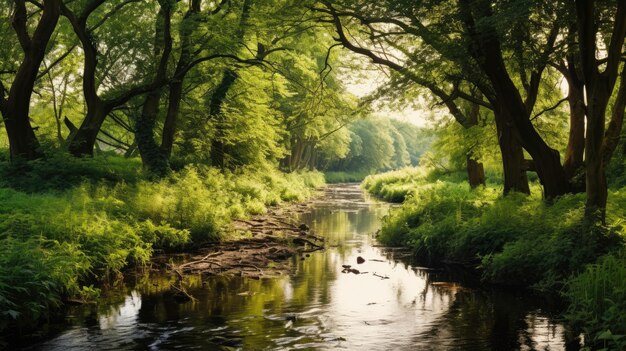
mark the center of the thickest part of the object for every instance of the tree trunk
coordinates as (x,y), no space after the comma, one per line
(596,185)
(598,87)
(515,178)
(614,129)
(475,173)
(152,158)
(176,87)
(169,125)
(16,110)
(216,104)
(488,53)
(84,139)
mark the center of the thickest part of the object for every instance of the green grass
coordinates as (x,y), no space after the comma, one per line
(59,234)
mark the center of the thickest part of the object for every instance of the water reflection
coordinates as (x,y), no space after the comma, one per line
(392,305)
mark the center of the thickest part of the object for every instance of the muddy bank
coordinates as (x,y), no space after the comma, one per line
(261,246)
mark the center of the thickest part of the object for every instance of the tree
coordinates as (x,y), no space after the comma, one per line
(509,107)
(599,86)
(388,25)
(15,103)
(82,141)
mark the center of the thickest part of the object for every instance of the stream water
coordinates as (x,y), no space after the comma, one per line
(392,305)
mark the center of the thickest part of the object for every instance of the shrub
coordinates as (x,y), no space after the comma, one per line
(57,236)
(516,240)
(34,274)
(597,299)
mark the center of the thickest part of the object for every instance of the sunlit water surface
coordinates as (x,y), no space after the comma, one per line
(318,307)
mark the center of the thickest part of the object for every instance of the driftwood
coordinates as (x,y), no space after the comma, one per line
(274,239)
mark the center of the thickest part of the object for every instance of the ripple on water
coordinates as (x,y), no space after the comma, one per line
(403,307)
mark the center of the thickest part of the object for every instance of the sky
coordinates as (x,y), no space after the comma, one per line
(363,83)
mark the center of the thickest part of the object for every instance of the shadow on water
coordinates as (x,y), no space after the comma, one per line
(391,305)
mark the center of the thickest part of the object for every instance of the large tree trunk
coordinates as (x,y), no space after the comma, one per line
(599,87)
(82,142)
(23,143)
(171,117)
(153,160)
(487,52)
(596,185)
(16,109)
(176,87)
(151,156)
(515,178)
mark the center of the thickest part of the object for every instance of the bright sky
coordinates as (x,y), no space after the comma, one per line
(364,83)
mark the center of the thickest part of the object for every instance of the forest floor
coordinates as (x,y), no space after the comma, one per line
(261,245)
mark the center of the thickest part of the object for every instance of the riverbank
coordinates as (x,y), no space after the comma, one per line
(516,240)
(259,246)
(68,223)
(392,302)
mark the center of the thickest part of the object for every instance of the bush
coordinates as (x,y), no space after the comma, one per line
(516,240)
(597,299)
(57,236)
(34,274)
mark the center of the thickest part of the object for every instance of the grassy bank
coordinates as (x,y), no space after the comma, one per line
(515,240)
(65,223)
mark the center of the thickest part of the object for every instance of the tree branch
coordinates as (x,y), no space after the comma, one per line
(111,13)
(19,24)
(549,108)
(454,110)
(56,62)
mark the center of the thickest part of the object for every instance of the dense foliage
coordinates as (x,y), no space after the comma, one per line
(514,240)
(377,145)
(167,118)
(52,242)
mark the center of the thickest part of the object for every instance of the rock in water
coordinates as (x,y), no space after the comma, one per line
(360,260)
(304,227)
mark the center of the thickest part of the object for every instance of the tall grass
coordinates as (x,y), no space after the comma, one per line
(55,238)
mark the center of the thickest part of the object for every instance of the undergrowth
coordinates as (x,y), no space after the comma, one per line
(598,302)
(58,232)
(516,240)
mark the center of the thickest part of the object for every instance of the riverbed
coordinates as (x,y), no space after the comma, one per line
(391,304)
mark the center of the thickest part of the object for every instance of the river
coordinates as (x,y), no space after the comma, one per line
(392,305)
